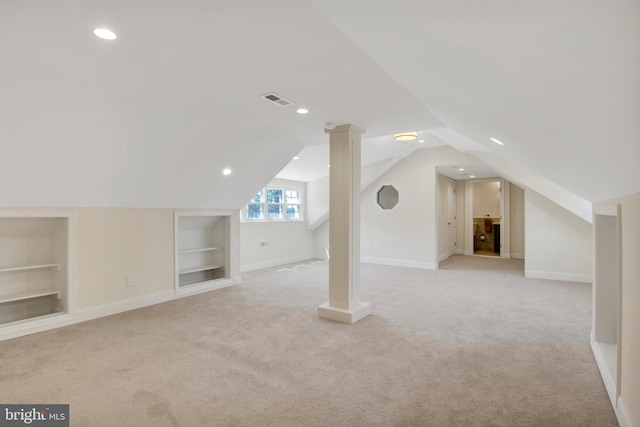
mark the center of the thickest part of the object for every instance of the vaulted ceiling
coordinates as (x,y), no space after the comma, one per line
(151,119)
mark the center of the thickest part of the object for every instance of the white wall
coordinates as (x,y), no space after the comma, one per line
(558,243)
(517,221)
(114,242)
(287,241)
(408,236)
(486,199)
(317,199)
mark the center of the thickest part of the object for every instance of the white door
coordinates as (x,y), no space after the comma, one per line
(451,217)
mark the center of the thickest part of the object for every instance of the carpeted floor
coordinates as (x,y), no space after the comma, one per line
(471,344)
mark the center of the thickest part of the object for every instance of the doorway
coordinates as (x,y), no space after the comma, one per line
(486,218)
(451,217)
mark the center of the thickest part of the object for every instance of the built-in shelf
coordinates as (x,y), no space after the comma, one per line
(35,267)
(29,295)
(28,267)
(199,268)
(187,251)
(202,255)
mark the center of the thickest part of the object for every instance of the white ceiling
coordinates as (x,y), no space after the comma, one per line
(152,118)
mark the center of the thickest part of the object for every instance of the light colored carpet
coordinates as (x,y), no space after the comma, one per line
(471,344)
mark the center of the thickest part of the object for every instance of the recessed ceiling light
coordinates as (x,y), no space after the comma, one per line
(496,141)
(226,171)
(296,158)
(421,140)
(472,176)
(302,110)
(103,33)
(460,169)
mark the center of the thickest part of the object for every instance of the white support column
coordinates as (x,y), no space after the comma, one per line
(344,228)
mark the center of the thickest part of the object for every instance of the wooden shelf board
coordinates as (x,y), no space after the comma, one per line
(186,251)
(9,269)
(199,268)
(28,295)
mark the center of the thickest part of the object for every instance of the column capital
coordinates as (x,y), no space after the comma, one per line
(344,128)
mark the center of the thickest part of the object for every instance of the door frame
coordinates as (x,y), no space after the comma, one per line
(505,235)
(451,198)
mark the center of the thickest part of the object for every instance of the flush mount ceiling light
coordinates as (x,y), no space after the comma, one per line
(302,110)
(496,141)
(296,158)
(226,171)
(407,136)
(103,33)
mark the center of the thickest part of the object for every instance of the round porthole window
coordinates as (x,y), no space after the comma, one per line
(388,197)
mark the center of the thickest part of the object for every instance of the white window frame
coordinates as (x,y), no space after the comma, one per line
(265,205)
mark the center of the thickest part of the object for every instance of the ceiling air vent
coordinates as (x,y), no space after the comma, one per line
(276,99)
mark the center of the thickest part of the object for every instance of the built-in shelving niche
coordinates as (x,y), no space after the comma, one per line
(34,267)
(203,251)
(607,300)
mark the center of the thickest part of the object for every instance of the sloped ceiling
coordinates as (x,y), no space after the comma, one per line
(152,118)
(557,82)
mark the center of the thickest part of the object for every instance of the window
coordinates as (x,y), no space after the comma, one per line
(275,203)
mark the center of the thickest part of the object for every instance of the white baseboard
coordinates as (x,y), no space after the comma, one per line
(552,275)
(400,263)
(517,256)
(186,291)
(622,412)
(605,372)
(278,262)
(619,406)
(442,257)
(116,307)
(460,252)
(32,326)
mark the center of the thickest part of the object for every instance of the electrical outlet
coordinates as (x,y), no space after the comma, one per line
(264,244)
(131,279)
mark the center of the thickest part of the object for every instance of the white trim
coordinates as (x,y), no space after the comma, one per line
(444,256)
(400,263)
(619,406)
(54,320)
(265,204)
(35,325)
(278,262)
(605,373)
(45,323)
(553,275)
(198,288)
(622,412)
(128,304)
(351,316)
(607,210)
(517,256)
